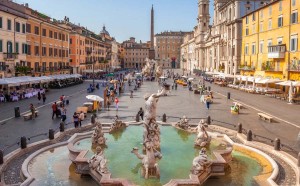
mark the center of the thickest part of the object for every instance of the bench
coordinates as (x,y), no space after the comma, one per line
(29,115)
(265,117)
(238,104)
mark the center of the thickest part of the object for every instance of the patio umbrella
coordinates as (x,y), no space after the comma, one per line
(191,79)
(94,98)
(291,93)
(234,79)
(162,77)
(246,84)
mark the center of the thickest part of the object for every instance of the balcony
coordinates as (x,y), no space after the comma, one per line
(246,68)
(271,68)
(10,56)
(276,51)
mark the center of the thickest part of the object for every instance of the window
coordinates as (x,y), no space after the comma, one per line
(261,14)
(280,6)
(59,36)
(270,42)
(50,51)
(261,46)
(55,35)
(24,48)
(270,10)
(36,30)
(253,48)
(44,32)
(261,27)
(18,27)
(36,50)
(55,52)
(44,53)
(70,41)
(294,43)
(294,18)
(247,20)
(1,24)
(17,48)
(279,40)
(63,37)
(253,28)
(270,24)
(28,28)
(8,24)
(23,28)
(50,34)
(246,49)
(293,2)
(253,17)
(280,21)
(28,50)
(247,31)
(1,46)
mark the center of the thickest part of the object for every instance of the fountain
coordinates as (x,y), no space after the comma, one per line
(191,153)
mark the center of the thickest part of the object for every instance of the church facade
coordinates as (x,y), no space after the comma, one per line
(217,47)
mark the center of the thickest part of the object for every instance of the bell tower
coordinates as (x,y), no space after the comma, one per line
(203,16)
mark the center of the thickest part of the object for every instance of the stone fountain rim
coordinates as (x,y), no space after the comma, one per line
(30,178)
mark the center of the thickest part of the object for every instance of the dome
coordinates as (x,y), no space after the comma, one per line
(104,31)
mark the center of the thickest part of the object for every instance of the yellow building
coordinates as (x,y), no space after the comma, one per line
(270,41)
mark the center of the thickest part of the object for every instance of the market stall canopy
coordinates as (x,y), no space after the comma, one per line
(289,83)
(94,98)
(268,81)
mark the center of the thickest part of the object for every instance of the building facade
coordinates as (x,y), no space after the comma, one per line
(47,44)
(270,41)
(188,57)
(167,48)
(12,38)
(135,53)
(217,45)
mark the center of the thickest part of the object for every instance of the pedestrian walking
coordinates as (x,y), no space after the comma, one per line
(32,110)
(81,118)
(131,94)
(44,98)
(141,113)
(117,103)
(39,96)
(108,104)
(63,113)
(75,119)
(54,110)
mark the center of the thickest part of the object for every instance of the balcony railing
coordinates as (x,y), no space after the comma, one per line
(271,68)
(10,56)
(276,51)
(247,68)
(294,67)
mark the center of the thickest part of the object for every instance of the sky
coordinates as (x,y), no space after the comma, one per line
(123,18)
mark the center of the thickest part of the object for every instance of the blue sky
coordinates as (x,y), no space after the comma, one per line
(122,18)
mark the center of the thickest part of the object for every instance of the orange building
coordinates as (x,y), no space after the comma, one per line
(47,44)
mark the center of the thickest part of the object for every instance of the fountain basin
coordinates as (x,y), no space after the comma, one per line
(129,167)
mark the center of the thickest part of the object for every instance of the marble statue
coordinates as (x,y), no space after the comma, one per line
(203,139)
(149,160)
(158,72)
(98,162)
(200,163)
(151,131)
(117,124)
(98,135)
(183,123)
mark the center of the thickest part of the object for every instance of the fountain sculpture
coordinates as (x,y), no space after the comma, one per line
(98,162)
(183,123)
(201,163)
(117,124)
(202,139)
(98,135)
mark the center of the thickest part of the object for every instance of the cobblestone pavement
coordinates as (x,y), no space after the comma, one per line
(180,102)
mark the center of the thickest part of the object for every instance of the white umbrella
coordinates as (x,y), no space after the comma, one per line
(162,77)
(191,79)
(253,86)
(291,93)
(234,79)
(183,76)
(246,84)
(94,98)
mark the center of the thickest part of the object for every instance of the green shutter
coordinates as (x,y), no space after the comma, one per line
(17,48)
(0,22)
(1,44)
